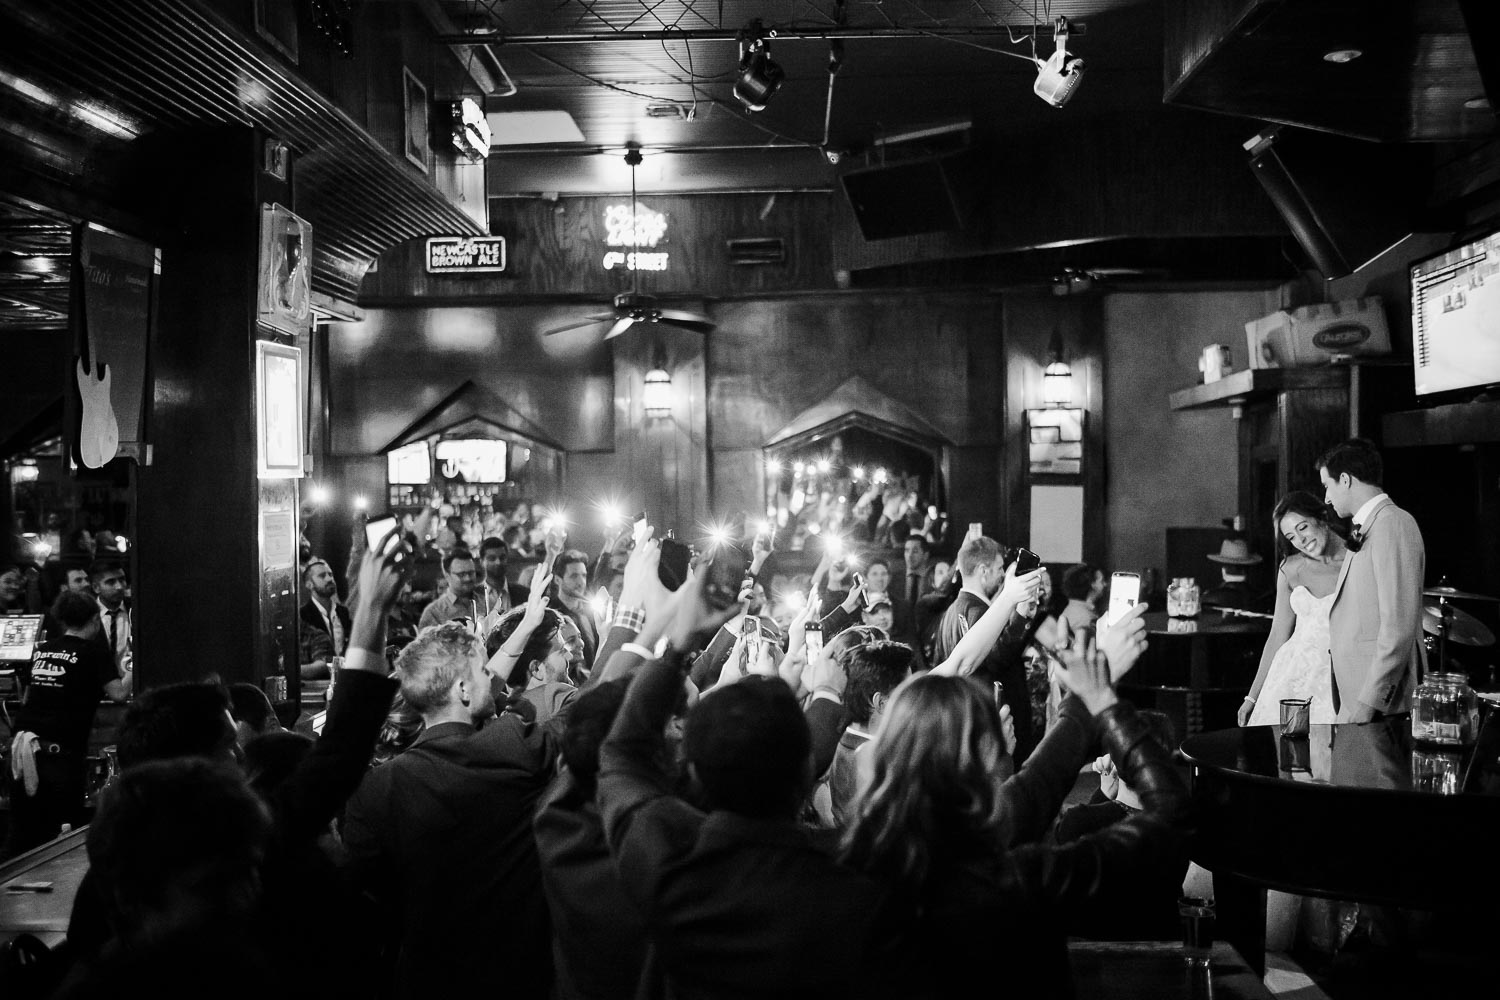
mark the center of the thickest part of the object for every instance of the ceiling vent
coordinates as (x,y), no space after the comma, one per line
(748,251)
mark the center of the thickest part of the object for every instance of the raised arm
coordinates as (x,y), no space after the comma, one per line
(1150,840)
(1281,631)
(631,774)
(976,643)
(329,774)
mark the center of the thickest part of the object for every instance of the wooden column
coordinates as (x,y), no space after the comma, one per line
(205,604)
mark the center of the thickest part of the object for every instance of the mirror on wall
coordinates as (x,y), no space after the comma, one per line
(857,483)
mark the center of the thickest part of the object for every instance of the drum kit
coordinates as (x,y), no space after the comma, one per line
(1449,624)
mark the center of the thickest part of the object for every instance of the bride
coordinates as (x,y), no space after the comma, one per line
(1295,661)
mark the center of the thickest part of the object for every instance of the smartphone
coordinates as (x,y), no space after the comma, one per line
(377,528)
(1124,592)
(999,695)
(726,575)
(673,568)
(814,634)
(976,529)
(751,632)
(1026,561)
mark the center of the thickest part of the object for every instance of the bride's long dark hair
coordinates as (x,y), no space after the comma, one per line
(1304,504)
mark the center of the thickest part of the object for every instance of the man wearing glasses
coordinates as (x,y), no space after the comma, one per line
(462,574)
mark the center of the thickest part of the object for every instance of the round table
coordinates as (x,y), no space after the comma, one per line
(1197,670)
(1357,812)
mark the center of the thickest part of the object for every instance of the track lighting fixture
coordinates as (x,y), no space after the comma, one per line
(1059,74)
(759,76)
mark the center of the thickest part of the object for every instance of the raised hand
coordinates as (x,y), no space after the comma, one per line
(691,620)
(1123,642)
(1087,675)
(1018,590)
(536,604)
(381,576)
(823,672)
(1008,729)
(643,587)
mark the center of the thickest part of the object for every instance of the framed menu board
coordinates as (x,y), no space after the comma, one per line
(278,411)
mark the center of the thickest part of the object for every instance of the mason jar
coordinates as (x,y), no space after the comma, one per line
(1445,711)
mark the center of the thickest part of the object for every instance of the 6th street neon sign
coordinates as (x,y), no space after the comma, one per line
(639,228)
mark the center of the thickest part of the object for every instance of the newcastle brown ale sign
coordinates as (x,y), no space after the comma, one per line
(465,254)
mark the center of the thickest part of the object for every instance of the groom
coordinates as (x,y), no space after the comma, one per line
(1375,624)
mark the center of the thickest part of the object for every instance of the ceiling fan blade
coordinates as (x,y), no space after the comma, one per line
(586,321)
(690,321)
(621,325)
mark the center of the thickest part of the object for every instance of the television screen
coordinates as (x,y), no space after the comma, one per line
(409,465)
(1455,317)
(473,460)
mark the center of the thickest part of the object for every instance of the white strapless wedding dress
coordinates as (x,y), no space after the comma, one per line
(1301,667)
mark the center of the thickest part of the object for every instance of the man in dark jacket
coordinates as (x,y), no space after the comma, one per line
(442,832)
(325,613)
(981,561)
(737,899)
(599,938)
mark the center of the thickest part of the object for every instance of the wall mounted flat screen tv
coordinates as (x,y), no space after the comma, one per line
(472,460)
(409,465)
(1455,318)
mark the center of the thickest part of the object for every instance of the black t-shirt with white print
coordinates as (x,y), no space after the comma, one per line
(66,680)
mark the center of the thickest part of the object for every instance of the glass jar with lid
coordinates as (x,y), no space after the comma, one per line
(1184,599)
(1445,711)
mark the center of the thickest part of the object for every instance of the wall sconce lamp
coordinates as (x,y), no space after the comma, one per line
(1057,377)
(657,394)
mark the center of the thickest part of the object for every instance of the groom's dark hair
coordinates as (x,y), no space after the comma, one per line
(1357,457)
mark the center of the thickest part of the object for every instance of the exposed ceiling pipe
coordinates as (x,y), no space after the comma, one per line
(732,34)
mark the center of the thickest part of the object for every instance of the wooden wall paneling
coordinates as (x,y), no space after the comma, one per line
(393,366)
(1029,324)
(664,459)
(1312,421)
(557,248)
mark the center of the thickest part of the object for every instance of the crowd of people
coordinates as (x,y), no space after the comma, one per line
(594,784)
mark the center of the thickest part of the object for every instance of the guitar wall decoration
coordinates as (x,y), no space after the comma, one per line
(98,430)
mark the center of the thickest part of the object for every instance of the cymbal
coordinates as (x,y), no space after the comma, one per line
(1453,593)
(1463,628)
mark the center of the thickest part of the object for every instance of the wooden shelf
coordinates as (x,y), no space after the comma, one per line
(1456,423)
(1252,384)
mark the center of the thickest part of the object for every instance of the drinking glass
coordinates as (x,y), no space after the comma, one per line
(1294,716)
(1197,915)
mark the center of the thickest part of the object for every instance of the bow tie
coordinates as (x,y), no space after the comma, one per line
(1356,538)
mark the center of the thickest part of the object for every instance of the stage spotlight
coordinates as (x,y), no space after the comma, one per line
(760,76)
(1059,74)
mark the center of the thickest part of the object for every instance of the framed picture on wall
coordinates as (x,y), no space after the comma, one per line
(278,411)
(1054,441)
(416,129)
(284,290)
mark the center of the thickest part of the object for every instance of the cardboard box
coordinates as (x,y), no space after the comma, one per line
(1318,334)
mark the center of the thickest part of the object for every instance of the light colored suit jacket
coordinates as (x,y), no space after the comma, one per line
(1375,624)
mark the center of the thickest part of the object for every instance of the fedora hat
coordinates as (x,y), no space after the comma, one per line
(1235,552)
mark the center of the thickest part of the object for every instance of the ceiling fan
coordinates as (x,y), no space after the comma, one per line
(636,306)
